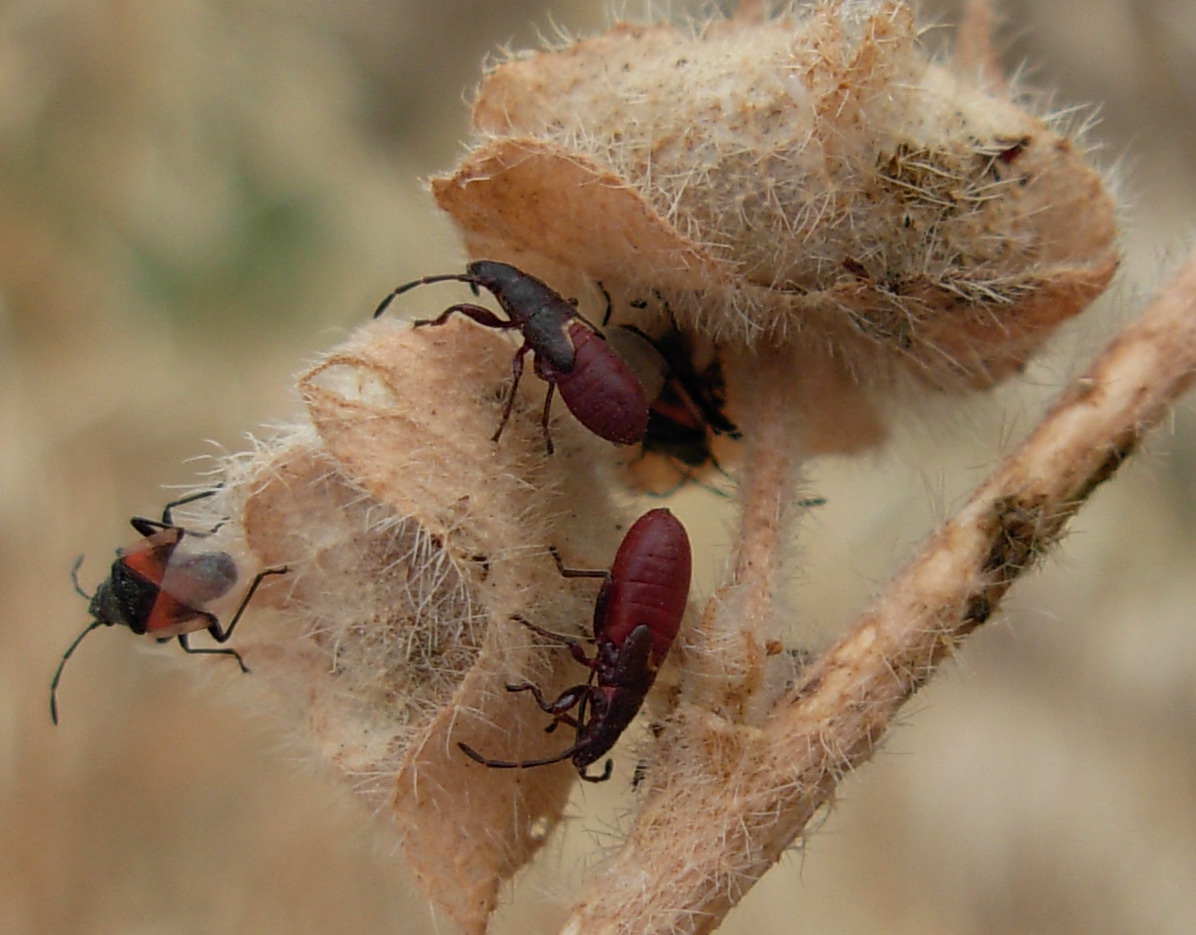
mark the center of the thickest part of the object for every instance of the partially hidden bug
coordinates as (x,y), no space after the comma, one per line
(569,354)
(687,408)
(636,617)
(158,589)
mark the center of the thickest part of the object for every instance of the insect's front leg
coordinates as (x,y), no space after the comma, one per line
(568,699)
(483,316)
(516,376)
(575,647)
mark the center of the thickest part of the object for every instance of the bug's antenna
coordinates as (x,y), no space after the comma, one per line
(65,657)
(75,578)
(519,764)
(406,287)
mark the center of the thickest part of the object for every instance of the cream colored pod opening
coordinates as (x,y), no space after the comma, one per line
(412,540)
(812,180)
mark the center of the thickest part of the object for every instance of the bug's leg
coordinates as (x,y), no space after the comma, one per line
(606,771)
(569,698)
(544,416)
(567,640)
(147,527)
(222,635)
(575,572)
(183,501)
(641,767)
(517,764)
(609,305)
(516,375)
(599,604)
(575,646)
(483,316)
(228,651)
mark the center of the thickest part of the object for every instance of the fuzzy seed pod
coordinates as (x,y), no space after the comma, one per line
(812,178)
(411,540)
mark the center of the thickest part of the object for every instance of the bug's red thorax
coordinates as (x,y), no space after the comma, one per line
(149,557)
(169,617)
(186,580)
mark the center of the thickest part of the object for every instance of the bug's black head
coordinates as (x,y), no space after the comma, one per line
(103,605)
(541,311)
(124,599)
(494,275)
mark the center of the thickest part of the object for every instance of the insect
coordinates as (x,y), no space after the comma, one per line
(157,588)
(636,617)
(569,353)
(687,416)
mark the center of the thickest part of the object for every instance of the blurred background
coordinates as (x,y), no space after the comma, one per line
(196,198)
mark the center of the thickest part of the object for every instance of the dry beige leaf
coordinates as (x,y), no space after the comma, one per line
(374,625)
(410,413)
(813,175)
(412,540)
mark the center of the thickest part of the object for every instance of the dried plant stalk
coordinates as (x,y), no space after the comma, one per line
(731,797)
(727,667)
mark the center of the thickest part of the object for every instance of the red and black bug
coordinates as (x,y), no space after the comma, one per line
(636,618)
(1000,156)
(691,405)
(569,353)
(158,589)
(687,409)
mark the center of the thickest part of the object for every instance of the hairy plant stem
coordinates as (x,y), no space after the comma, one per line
(730,644)
(728,797)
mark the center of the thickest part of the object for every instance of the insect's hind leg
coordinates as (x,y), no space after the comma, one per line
(221,635)
(575,572)
(206,651)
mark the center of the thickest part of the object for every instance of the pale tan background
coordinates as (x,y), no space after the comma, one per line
(196,197)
